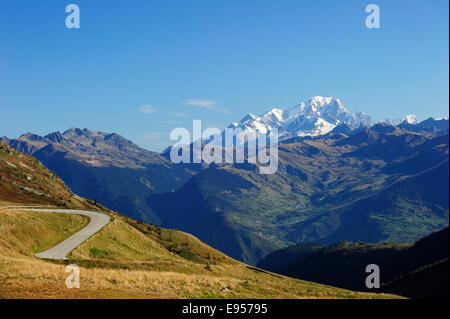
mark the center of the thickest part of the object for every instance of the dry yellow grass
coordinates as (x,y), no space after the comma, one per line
(28,233)
(123,262)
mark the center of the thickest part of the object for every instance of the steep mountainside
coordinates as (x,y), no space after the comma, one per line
(416,271)
(105,167)
(382,183)
(23,179)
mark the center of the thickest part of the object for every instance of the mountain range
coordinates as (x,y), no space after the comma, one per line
(317,116)
(314,117)
(105,167)
(340,177)
(375,184)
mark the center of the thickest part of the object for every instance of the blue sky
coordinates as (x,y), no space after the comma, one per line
(141,68)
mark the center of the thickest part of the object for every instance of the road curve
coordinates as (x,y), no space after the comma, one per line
(60,251)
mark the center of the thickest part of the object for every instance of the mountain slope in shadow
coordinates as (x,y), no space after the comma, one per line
(416,271)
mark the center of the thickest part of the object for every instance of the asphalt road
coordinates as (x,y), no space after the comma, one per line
(60,251)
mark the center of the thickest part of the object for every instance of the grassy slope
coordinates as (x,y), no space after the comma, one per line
(33,232)
(24,180)
(127,260)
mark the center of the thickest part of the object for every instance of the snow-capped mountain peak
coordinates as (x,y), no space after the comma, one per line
(316,116)
(410,119)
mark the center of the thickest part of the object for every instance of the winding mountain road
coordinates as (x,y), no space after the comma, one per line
(60,251)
